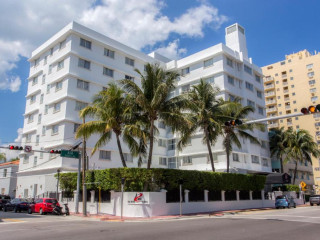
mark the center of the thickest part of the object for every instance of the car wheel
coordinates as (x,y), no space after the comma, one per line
(4,209)
(29,210)
(15,209)
(277,207)
(41,211)
(311,204)
(295,205)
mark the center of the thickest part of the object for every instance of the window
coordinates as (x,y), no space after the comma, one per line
(46,108)
(35,161)
(45,60)
(37,140)
(210,80)
(235,157)
(208,62)
(185,71)
(313,90)
(33,99)
(162,143)
(26,159)
(62,44)
(260,111)
(264,144)
(292,86)
(310,74)
(58,85)
(171,144)
(5,172)
(56,107)
(43,79)
(30,118)
(311,82)
(161,124)
(83,63)
(39,118)
(28,138)
(129,77)
(282,63)
(185,88)
(50,69)
(104,155)
(60,65)
(36,62)
(108,53)
(55,129)
(293,94)
(129,61)
(313,99)
(75,127)
(254,159)
(229,62)
(48,88)
(80,105)
(259,94)
(249,86)
(187,160)
(107,72)
(265,162)
(231,80)
(43,130)
(250,103)
(309,66)
(317,124)
(85,43)
(248,69)
(162,161)
(51,51)
(258,78)
(316,115)
(34,80)
(128,157)
(82,84)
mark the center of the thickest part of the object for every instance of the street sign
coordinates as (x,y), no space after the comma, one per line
(27,148)
(69,154)
(303,185)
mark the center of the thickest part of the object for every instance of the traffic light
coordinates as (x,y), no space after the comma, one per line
(235,122)
(12,147)
(311,109)
(52,151)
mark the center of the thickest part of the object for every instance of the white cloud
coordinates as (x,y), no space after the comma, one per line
(17,142)
(26,24)
(172,50)
(19,137)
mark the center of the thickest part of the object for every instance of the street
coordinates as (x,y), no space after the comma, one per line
(299,223)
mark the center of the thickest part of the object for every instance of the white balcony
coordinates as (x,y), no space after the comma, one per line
(271,102)
(271,86)
(273,125)
(270,94)
(273,109)
(268,79)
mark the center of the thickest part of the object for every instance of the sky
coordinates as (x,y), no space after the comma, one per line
(175,28)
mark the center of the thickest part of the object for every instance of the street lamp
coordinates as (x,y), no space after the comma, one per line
(180,188)
(122,188)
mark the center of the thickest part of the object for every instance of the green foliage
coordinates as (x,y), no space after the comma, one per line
(294,188)
(140,179)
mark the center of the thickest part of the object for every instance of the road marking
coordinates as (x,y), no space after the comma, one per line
(11,220)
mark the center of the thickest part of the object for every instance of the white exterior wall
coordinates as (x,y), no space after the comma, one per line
(67,96)
(8,182)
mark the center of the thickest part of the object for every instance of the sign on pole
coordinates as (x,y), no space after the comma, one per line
(69,154)
(27,148)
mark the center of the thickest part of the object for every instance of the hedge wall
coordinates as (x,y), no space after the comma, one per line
(141,179)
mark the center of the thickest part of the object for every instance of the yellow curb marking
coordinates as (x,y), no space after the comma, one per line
(11,220)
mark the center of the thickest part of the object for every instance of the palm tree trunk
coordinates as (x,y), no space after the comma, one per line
(151,145)
(228,158)
(281,164)
(295,172)
(120,151)
(209,149)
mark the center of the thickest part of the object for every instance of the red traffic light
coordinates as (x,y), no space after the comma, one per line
(55,151)
(12,147)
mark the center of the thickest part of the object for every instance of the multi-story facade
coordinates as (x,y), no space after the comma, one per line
(8,177)
(290,85)
(77,62)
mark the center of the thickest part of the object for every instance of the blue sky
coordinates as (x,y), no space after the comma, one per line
(273,29)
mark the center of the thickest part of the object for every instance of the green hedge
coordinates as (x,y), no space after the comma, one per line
(141,179)
(287,187)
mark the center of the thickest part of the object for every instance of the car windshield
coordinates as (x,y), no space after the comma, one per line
(281,197)
(51,201)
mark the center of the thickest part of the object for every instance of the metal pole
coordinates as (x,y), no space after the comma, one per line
(122,187)
(78,184)
(58,170)
(180,200)
(84,187)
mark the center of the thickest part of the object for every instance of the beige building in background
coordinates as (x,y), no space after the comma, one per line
(290,85)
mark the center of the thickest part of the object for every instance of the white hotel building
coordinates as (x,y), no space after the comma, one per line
(77,62)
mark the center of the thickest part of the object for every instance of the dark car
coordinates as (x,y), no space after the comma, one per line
(3,200)
(283,201)
(315,199)
(17,205)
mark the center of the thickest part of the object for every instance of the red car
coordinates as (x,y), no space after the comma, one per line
(43,205)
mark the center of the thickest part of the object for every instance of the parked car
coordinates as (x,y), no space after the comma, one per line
(3,200)
(315,199)
(43,205)
(283,201)
(17,205)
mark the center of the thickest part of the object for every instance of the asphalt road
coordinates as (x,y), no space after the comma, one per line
(293,224)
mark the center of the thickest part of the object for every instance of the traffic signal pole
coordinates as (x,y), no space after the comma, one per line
(274,118)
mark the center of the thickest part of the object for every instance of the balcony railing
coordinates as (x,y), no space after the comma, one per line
(271,102)
(269,86)
(285,83)
(268,79)
(273,125)
(287,99)
(288,107)
(271,109)
(284,75)
(270,94)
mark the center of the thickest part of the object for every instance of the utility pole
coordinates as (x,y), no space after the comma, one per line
(58,171)
(84,187)
(78,183)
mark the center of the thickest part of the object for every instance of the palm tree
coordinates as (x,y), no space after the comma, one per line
(153,101)
(301,146)
(234,110)
(203,108)
(2,157)
(278,144)
(111,110)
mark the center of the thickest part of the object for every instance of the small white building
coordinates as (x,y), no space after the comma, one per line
(8,178)
(77,62)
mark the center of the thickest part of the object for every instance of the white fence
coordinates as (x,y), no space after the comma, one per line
(150,204)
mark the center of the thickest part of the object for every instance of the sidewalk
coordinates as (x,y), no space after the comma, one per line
(112,218)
